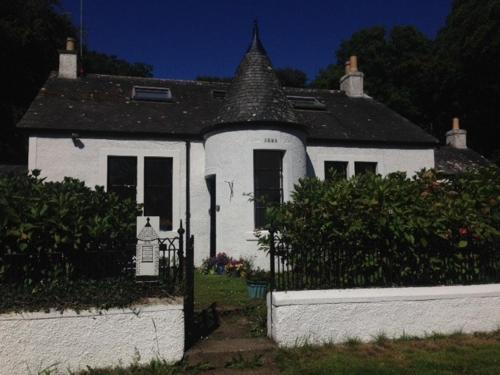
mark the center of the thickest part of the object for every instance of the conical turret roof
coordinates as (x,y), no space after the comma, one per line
(255,93)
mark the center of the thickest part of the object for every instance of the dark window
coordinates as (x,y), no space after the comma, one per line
(268,182)
(219,94)
(153,94)
(361,167)
(158,190)
(335,168)
(306,102)
(122,176)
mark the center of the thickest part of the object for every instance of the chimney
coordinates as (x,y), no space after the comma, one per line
(456,137)
(68,60)
(352,82)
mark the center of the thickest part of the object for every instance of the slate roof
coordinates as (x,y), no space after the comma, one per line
(450,160)
(255,94)
(103,104)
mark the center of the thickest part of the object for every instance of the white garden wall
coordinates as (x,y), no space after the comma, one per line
(32,342)
(334,316)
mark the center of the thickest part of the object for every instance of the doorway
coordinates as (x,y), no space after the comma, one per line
(211,183)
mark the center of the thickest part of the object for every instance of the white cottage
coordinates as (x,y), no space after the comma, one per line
(196,150)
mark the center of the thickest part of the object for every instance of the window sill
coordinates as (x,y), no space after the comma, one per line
(253,235)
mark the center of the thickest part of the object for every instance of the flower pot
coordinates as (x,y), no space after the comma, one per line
(257,289)
(221,270)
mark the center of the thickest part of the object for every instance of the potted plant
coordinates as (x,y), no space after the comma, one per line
(257,283)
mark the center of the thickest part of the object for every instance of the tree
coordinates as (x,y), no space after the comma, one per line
(395,64)
(213,79)
(291,77)
(97,62)
(31,33)
(467,78)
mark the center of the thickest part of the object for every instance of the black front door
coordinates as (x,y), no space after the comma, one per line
(213,212)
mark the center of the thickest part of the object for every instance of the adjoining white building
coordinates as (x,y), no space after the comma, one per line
(197,151)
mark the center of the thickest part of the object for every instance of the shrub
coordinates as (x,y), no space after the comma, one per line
(53,231)
(394,230)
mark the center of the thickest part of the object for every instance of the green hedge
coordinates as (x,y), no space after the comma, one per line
(56,231)
(394,230)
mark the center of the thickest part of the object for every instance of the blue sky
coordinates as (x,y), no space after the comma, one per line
(186,38)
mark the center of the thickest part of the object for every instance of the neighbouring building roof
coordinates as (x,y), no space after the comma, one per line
(255,93)
(450,160)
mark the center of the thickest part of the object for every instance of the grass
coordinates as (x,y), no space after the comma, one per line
(227,292)
(440,355)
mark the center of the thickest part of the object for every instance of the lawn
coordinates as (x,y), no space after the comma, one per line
(227,292)
(456,354)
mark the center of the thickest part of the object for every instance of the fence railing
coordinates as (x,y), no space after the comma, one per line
(172,258)
(301,266)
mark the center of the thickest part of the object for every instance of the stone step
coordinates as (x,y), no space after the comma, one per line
(220,352)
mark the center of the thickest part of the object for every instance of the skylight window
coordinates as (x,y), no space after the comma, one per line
(219,94)
(152,94)
(306,102)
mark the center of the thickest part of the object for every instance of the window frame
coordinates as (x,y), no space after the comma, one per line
(344,162)
(366,162)
(169,191)
(109,187)
(281,153)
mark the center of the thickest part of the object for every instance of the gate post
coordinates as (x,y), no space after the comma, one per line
(271,256)
(189,293)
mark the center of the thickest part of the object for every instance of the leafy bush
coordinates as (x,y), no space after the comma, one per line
(393,230)
(53,231)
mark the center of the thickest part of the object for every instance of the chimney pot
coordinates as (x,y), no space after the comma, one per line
(456,137)
(68,61)
(70,44)
(353,81)
(353,64)
(347,67)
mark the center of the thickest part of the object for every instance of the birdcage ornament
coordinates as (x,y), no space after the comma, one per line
(147,252)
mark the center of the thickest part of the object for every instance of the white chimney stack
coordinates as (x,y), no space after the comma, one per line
(68,67)
(456,137)
(352,82)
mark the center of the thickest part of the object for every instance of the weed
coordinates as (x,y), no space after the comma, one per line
(240,362)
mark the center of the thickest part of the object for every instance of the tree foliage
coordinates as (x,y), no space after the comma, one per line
(394,63)
(394,230)
(31,33)
(431,81)
(55,231)
(291,77)
(101,63)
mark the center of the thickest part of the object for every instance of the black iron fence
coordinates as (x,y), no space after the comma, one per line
(172,258)
(300,266)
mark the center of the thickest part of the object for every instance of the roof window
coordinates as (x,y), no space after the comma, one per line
(218,94)
(306,102)
(152,94)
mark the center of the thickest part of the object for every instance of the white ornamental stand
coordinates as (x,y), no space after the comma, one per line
(148,249)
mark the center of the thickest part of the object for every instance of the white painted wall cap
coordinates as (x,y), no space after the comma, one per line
(334,296)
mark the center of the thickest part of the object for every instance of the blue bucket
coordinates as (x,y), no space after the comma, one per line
(257,290)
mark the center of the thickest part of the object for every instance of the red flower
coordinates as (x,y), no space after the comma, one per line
(463,232)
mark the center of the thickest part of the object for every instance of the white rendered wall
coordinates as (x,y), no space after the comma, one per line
(32,342)
(229,155)
(334,316)
(388,159)
(58,157)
